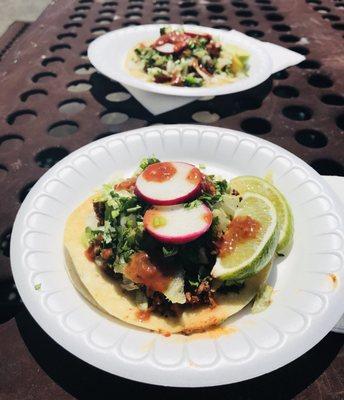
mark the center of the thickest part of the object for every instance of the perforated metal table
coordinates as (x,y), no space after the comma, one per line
(52,102)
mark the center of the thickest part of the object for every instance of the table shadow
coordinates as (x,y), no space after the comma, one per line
(84,381)
(224,106)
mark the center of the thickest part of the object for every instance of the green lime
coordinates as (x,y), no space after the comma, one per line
(261,186)
(252,241)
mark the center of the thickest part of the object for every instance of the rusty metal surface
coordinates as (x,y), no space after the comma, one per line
(53,102)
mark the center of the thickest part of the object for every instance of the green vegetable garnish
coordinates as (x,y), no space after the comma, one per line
(148,161)
(118,234)
(194,61)
(169,252)
(263,299)
(192,204)
(123,225)
(159,221)
(192,81)
(221,187)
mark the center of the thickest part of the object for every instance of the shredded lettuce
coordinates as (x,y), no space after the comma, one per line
(87,236)
(263,299)
(175,291)
(141,300)
(229,204)
(128,285)
(221,221)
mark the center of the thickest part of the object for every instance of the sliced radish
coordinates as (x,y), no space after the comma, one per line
(168,183)
(167,48)
(178,40)
(177,224)
(199,35)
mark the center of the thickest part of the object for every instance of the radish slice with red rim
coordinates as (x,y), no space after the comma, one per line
(168,183)
(178,224)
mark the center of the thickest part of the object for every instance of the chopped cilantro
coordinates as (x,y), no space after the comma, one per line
(123,225)
(169,251)
(197,279)
(133,209)
(221,187)
(38,286)
(192,81)
(148,161)
(192,204)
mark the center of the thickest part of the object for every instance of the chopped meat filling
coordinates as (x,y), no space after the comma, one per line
(203,295)
(99,210)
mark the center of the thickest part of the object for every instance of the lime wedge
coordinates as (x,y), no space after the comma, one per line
(284,215)
(252,254)
(241,53)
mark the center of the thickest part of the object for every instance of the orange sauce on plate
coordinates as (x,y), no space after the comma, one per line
(143,315)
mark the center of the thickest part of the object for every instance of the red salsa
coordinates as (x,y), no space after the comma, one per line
(178,39)
(141,270)
(159,172)
(127,184)
(240,229)
(194,176)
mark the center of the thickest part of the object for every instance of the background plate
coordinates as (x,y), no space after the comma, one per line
(308,292)
(108,54)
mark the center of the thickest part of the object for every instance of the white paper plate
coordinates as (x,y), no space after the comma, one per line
(306,303)
(108,54)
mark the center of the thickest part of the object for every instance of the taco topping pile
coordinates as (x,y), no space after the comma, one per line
(182,58)
(175,237)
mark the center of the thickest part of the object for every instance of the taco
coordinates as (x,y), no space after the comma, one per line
(169,259)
